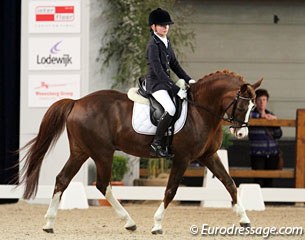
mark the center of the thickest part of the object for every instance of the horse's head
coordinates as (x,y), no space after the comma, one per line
(226,93)
(238,110)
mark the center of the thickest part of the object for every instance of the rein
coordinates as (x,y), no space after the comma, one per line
(230,119)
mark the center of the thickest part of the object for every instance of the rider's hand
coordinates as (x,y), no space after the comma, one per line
(192,81)
(270,116)
(182,94)
(188,85)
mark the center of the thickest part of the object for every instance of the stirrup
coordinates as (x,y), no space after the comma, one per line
(157,151)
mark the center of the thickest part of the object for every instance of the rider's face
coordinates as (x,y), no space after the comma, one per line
(161,30)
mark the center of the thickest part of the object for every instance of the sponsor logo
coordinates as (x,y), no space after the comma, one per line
(55,48)
(44,85)
(53,90)
(54,13)
(64,59)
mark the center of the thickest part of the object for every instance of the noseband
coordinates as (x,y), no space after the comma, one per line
(233,104)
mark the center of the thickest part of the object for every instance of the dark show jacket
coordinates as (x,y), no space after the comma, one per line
(160,60)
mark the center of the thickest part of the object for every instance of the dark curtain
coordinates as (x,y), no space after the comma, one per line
(10,12)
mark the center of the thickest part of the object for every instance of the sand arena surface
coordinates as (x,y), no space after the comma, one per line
(25,221)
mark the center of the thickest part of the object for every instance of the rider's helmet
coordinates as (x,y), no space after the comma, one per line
(160,17)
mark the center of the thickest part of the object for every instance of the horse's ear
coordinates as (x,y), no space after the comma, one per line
(257,84)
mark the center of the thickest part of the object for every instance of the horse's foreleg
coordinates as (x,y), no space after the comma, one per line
(175,177)
(240,211)
(215,165)
(62,181)
(103,179)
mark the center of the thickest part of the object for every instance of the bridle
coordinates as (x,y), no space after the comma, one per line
(231,118)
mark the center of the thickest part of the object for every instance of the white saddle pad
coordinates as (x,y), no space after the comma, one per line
(141,119)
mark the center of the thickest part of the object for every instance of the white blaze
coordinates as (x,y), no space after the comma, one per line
(250,106)
(243,131)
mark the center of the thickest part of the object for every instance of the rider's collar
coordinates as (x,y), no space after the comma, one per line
(163,39)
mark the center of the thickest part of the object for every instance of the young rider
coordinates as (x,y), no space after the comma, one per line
(161,58)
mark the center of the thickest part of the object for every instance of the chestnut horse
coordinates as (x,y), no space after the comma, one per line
(100,123)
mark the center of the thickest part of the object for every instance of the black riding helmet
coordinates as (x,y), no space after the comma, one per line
(160,17)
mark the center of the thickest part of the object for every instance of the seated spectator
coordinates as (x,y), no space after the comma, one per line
(264,149)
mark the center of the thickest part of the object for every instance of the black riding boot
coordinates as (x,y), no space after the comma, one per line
(156,145)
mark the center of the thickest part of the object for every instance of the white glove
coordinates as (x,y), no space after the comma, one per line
(191,81)
(181,83)
(182,94)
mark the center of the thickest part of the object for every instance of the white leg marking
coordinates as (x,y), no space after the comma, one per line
(119,209)
(240,210)
(158,217)
(52,211)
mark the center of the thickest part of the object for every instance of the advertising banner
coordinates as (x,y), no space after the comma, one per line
(54,16)
(44,90)
(54,53)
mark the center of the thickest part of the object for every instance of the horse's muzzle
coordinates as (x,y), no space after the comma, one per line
(239,132)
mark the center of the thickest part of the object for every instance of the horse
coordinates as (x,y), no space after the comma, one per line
(101,123)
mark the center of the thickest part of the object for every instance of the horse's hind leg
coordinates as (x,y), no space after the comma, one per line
(63,179)
(215,165)
(103,168)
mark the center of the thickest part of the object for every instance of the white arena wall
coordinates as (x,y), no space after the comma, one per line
(43,81)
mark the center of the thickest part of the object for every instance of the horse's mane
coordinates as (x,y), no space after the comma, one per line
(222,74)
(214,82)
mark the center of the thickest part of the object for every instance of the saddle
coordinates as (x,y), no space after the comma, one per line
(156,111)
(155,108)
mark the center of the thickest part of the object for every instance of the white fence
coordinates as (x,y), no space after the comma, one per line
(157,193)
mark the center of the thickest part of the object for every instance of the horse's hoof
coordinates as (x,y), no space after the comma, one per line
(159,231)
(49,230)
(132,228)
(245,225)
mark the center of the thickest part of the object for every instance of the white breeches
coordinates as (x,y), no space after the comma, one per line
(164,99)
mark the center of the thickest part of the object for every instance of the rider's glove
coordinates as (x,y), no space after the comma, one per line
(182,94)
(191,81)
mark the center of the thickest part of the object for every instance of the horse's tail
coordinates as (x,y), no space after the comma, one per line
(51,127)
